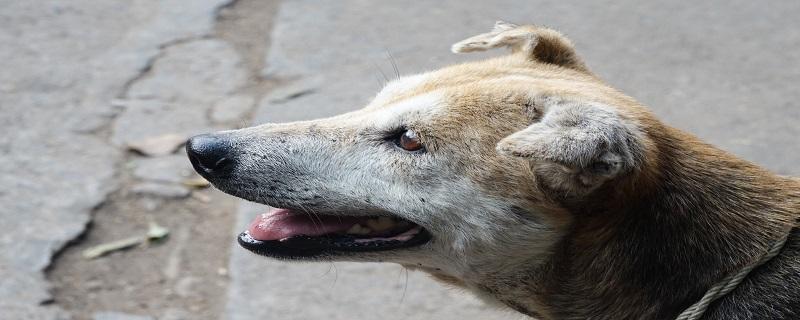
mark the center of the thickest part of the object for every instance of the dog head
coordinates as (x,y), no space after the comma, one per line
(460,172)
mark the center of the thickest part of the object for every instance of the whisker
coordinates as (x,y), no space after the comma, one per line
(405,286)
(335,274)
(383,74)
(394,64)
(328,202)
(380,82)
(311,214)
(329,269)
(332,266)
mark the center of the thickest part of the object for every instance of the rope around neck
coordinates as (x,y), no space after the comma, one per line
(730,282)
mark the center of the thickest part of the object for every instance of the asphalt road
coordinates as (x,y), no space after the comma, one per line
(64,64)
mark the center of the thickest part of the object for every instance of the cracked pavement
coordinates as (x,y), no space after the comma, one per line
(85,78)
(64,64)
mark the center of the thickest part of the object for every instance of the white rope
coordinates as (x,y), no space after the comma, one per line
(722,288)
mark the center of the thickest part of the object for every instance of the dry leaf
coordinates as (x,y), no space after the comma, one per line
(154,232)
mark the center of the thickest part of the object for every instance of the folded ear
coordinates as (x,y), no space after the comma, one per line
(577,146)
(537,43)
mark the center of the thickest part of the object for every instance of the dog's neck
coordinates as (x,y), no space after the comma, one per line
(650,249)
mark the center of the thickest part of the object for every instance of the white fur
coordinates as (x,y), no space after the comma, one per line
(422,106)
(398,86)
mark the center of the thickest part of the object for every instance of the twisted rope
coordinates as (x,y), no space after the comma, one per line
(730,282)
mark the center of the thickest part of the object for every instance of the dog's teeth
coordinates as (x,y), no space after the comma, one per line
(380,224)
(355,229)
(359,229)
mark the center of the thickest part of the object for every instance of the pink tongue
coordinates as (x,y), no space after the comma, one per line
(282,223)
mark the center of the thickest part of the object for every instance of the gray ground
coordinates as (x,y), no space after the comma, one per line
(84,79)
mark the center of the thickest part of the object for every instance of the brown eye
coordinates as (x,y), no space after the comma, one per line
(409,141)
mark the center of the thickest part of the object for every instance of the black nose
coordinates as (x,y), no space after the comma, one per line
(209,154)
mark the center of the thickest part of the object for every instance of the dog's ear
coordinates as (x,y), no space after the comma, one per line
(537,43)
(576,146)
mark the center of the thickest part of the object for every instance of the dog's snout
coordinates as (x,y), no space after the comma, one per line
(210,154)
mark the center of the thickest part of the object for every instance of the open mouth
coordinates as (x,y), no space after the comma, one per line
(284,233)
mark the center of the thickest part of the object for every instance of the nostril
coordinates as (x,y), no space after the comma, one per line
(209,153)
(221,163)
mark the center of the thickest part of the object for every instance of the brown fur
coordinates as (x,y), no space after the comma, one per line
(601,211)
(649,244)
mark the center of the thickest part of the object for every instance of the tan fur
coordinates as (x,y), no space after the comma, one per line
(624,216)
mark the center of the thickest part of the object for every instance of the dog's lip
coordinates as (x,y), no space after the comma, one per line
(286,233)
(305,247)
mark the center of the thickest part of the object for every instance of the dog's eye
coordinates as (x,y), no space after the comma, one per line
(409,141)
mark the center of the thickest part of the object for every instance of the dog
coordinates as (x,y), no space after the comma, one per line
(526,180)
